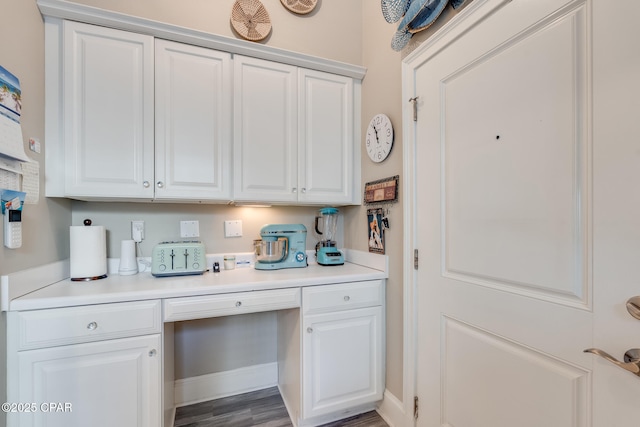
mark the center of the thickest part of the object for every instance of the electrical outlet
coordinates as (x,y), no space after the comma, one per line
(189,228)
(233,228)
(137,231)
(34,145)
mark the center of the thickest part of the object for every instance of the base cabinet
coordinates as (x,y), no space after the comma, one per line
(106,365)
(341,360)
(106,384)
(342,351)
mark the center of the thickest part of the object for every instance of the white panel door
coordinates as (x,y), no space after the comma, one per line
(325,127)
(265,131)
(108,112)
(106,384)
(524,167)
(193,122)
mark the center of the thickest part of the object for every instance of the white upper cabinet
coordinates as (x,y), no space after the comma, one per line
(114,86)
(293,134)
(107,107)
(326,138)
(133,117)
(193,122)
(265,133)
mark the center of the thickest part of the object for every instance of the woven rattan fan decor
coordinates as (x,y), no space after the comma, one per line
(301,7)
(250,19)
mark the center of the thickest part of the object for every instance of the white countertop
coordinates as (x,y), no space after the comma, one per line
(144,286)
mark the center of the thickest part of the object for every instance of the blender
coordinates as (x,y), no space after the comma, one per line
(326,250)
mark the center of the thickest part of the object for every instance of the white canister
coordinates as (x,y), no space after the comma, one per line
(128,261)
(229,262)
(88,252)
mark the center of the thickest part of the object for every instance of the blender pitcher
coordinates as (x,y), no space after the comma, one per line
(326,226)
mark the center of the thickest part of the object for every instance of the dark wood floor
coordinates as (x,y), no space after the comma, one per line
(263,408)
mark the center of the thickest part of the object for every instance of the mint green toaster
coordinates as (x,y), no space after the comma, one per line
(178,259)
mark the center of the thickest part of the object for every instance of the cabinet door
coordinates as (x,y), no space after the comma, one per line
(325,129)
(108,112)
(193,122)
(265,120)
(341,360)
(104,384)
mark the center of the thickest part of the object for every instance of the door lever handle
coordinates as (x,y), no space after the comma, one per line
(631,359)
(633,307)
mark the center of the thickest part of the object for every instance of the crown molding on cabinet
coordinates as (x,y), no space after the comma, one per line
(91,15)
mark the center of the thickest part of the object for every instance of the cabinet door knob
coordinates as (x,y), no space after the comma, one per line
(152,352)
(347,297)
(294,190)
(238,303)
(92,326)
(304,190)
(309,329)
(146,184)
(160,184)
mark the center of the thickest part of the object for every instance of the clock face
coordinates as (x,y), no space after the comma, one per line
(379,139)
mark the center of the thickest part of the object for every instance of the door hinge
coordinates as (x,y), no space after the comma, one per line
(415,407)
(415,259)
(414,100)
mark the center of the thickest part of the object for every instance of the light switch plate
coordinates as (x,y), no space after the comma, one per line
(189,229)
(233,228)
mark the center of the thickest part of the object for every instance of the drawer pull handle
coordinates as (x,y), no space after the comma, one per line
(152,352)
(309,329)
(347,298)
(238,303)
(92,326)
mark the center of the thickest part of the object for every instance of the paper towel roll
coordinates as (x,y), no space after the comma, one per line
(88,257)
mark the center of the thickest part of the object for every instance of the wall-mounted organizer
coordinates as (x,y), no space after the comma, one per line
(380,194)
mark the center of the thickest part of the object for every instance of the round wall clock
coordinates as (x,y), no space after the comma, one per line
(379,139)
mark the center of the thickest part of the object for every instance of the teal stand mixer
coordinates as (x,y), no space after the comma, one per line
(327,252)
(282,246)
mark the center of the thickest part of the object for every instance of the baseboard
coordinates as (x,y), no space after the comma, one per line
(223,384)
(392,410)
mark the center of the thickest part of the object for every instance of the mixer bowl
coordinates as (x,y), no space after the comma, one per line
(271,250)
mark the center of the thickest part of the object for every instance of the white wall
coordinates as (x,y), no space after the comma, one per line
(332,30)
(162,223)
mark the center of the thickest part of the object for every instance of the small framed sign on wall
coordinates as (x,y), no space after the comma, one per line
(381,191)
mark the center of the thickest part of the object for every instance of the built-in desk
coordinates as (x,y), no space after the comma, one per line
(101,353)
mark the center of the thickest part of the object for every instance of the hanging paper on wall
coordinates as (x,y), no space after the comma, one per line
(11,142)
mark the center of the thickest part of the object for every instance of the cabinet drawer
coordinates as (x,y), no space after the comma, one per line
(63,326)
(200,307)
(344,296)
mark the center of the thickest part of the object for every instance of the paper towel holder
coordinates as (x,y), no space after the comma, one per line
(95,272)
